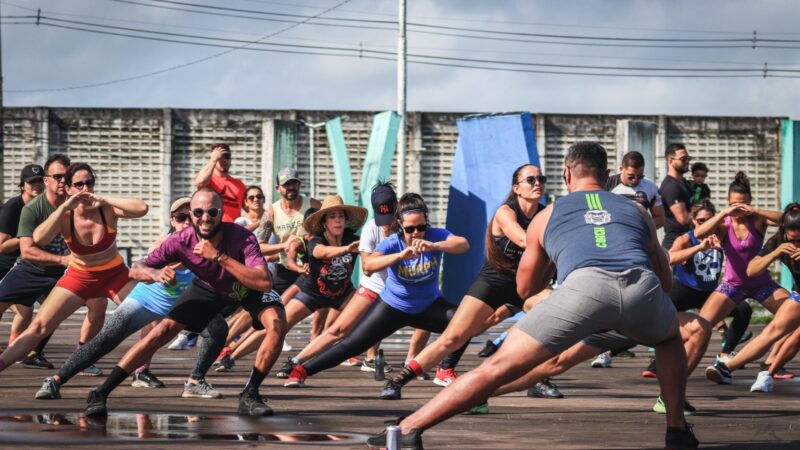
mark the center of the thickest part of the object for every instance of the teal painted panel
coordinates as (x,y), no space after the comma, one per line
(285,152)
(341,161)
(380,153)
(790,185)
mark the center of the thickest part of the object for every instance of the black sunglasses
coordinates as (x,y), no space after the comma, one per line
(533,179)
(635,177)
(57,176)
(180,217)
(80,184)
(421,228)
(212,212)
(255,197)
(684,159)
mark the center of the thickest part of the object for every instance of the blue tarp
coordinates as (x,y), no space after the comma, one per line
(488,151)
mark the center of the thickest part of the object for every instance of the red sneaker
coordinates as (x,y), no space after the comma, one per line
(226,351)
(297,378)
(350,362)
(782,374)
(445,376)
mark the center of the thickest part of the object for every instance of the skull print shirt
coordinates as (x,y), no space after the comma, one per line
(330,277)
(702,271)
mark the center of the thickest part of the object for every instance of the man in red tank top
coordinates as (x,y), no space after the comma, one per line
(216,175)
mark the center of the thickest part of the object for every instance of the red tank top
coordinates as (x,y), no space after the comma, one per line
(108,239)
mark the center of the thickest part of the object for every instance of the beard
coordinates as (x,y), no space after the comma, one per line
(208,235)
(290,195)
(681,170)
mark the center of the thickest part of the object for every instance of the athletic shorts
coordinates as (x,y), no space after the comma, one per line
(315,301)
(89,284)
(593,300)
(495,291)
(199,304)
(685,298)
(282,278)
(609,341)
(739,294)
(25,284)
(368,293)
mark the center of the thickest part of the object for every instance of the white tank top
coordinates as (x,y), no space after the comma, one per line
(285,225)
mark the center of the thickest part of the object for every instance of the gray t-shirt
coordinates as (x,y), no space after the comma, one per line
(33,214)
(371,236)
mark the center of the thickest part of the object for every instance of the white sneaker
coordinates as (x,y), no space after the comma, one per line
(602,361)
(763,382)
(286,346)
(181,342)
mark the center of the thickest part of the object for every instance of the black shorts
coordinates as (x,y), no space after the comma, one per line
(685,298)
(283,278)
(25,284)
(314,301)
(198,305)
(495,289)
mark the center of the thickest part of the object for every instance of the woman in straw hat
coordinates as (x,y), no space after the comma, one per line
(411,296)
(332,253)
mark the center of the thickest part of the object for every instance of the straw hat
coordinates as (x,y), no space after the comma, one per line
(355,216)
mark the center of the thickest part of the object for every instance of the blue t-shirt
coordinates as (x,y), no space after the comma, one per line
(412,284)
(157,298)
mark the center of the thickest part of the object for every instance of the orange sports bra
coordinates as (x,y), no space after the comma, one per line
(109,236)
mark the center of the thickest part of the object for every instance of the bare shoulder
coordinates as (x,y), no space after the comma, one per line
(315,203)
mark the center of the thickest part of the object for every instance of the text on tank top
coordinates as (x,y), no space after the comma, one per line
(739,253)
(596,229)
(285,225)
(508,247)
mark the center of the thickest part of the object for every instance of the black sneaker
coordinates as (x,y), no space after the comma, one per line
(680,438)
(285,370)
(650,372)
(719,373)
(225,364)
(545,389)
(50,390)
(488,350)
(251,404)
(410,441)
(96,404)
(391,391)
(146,379)
(37,362)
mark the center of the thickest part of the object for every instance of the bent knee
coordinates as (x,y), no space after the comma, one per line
(336,332)
(452,341)
(39,328)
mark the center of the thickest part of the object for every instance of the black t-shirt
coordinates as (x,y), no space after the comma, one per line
(329,277)
(673,192)
(774,242)
(9,222)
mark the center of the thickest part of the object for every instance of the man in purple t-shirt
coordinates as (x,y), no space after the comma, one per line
(230,270)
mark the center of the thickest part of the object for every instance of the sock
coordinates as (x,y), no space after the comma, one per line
(409,372)
(296,361)
(115,378)
(256,377)
(40,347)
(143,367)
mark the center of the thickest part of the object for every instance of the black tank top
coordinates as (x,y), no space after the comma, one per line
(505,244)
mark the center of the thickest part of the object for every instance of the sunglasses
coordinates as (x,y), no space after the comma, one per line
(421,228)
(57,176)
(180,217)
(255,197)
(634,177)
(80,184)
(212,212)
(684,159)
(533,179)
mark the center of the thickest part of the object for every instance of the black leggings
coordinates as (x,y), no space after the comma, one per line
(378,323)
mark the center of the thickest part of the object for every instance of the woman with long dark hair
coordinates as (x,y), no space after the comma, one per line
(495,286)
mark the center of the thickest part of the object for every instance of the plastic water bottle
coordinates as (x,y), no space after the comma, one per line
(393,437)
(379,364)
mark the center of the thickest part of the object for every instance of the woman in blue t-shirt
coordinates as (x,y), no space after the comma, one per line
(413,257)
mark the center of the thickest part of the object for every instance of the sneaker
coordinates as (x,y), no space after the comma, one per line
(179,343)
(444,377)
(297,378)
(724,359)
(350,362)
(661,408)
(391,391)
(782,374)
(226,351)
(286,347)
(251,404)
(225,364)
(37,362)
(650,372)
(91,371)
(50,390)
(719,373)
(285,370)
(146,379)
(410,441)
(626,354)
(488,350)
(96,404)
(678,438)
(483,408)
(602,361)
(200,390)
(763,383)
(545,389)
(191,342)
(368,365)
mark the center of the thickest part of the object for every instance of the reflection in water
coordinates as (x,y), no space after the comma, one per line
(66,427)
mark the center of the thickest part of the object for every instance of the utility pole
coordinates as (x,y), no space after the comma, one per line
(2,115)
(402,45)
(312,156)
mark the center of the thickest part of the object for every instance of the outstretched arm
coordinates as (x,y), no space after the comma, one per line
(535,265)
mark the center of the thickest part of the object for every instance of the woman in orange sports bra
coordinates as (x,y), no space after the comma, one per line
(88,223)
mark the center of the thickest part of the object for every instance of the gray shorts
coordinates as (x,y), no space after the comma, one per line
(609,341)
(593,300)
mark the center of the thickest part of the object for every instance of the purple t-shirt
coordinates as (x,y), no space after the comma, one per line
(237,242)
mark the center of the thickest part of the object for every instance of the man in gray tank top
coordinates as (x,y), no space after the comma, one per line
(612,275)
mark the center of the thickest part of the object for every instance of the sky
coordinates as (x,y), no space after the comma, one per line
(42,65)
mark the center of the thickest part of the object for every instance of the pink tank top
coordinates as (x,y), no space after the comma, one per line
(738,255)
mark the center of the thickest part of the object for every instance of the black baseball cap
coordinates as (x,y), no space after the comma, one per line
(31,172)
(384,204)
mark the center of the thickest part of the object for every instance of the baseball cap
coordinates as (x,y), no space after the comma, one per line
(384,204)
(178,203)
(30,173)
(286,175)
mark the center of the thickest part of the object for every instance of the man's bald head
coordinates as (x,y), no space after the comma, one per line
(206,196)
